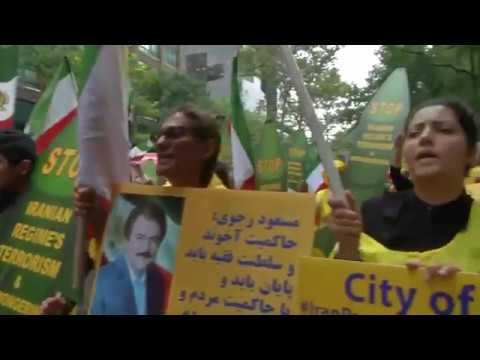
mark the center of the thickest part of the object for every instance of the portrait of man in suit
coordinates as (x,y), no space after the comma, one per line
(133,284)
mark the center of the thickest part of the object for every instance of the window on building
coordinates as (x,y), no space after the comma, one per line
(151,49)
(170,54)
(196,65)
(29,77)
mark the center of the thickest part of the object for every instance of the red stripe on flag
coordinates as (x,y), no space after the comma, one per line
(136,158)
(6,124)
(323,186)
(249,184)
(140,160)
(46,138)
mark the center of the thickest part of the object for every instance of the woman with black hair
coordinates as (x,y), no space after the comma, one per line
(436,223)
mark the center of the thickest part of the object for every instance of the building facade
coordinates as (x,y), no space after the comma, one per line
(211,64)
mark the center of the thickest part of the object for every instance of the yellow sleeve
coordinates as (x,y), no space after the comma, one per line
(474,172)
(372,251)
(322,209)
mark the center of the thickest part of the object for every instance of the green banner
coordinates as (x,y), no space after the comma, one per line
(312,159)
(373,139)
(296,161)
(38,232)
(270,162)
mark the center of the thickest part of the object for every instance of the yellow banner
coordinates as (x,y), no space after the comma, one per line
(367,160)
(374,145)
(239,250)
(327,287)
(474,191)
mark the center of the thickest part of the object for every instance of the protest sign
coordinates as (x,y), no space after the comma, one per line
(238,252)
(373,138)
(270,161)
(38,232)
(336,287)
(297,153)
(139,251)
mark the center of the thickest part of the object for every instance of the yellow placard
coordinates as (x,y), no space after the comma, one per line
(327,286)
(239,250)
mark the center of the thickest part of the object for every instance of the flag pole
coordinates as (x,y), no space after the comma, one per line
(80,250)
(317,129)
(72,76)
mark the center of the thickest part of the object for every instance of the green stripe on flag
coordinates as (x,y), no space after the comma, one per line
(8,62)
(38,117)
(238,115)
(312,159)
(90,57)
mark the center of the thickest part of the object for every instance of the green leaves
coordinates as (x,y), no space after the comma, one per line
(434,70)
(157,92)
(43,60)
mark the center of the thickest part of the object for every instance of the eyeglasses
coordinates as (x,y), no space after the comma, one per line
(173,132)
(177,132)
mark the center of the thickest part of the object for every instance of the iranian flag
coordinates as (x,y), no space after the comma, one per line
(103,118)
(242,155)
(8,84)
(56,108)
(102,134)
(315,180)
(314,170)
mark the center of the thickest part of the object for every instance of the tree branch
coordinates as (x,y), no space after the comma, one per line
(449,66)
(452,67)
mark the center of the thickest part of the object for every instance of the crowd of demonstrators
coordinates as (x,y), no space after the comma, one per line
(429,220)
(435,224)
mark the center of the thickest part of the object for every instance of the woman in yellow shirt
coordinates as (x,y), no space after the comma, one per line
(435,224)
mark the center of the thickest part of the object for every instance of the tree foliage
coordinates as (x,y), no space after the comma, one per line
(43,60)
(317,63)
(434,70)
(156,92)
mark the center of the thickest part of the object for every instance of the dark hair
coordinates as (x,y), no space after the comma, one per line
(466,116)
(17,146)
(223,173)
(204,127)
(151,211)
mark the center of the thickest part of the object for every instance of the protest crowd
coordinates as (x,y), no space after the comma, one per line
(425,218)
